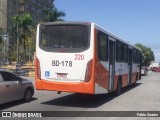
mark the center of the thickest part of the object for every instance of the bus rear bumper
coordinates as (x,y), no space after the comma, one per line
(75,87)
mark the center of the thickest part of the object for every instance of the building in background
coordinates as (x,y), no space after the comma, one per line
(9,8)
(17,7)
(35,8)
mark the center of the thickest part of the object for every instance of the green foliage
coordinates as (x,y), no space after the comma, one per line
(23,21)
(23,33)
(148,54)
(53,15)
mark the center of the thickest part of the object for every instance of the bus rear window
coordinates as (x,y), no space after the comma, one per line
(71,38)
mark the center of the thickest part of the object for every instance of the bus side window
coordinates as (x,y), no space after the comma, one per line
(137,57)
(118,51)
(1,79)
(124,53)
(102,41)
(134,56)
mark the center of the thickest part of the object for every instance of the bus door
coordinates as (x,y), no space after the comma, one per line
(129,66)
(111,64)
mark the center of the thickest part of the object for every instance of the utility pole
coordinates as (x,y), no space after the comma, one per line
(17,44)
(17,49)
(4,39)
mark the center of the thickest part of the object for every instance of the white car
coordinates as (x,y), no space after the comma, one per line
(144,71)
(13,87)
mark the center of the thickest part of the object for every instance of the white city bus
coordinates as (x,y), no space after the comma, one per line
(83,57)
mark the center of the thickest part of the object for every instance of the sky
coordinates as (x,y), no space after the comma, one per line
(135,21)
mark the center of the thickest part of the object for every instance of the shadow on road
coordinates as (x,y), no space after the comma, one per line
(87,101)
(14,103)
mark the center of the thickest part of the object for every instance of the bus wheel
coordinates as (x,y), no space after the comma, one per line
(119,87)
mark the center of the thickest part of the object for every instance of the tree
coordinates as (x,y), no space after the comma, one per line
(53,15)
(22,20)
(31,42)
(23,23)
(148,54)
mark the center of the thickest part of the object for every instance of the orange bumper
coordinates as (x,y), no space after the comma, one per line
(75,87)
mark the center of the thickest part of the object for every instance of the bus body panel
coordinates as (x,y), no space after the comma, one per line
(57,73)
(63,70)
(121,70)
(54,72)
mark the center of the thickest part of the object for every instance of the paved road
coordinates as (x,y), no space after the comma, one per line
(145,96)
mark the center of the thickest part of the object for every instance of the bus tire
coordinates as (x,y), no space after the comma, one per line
(119,86)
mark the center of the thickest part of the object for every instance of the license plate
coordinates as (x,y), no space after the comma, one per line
(62,75)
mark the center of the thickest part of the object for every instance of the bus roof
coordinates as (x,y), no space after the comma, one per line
(95,25)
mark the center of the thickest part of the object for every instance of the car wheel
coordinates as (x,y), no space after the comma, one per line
(28,95)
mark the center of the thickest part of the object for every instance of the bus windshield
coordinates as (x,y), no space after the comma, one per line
(70,38)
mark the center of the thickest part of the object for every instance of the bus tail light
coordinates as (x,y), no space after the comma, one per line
(37,70)
(88,71)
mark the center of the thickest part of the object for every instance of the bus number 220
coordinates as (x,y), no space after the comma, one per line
(79,57)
